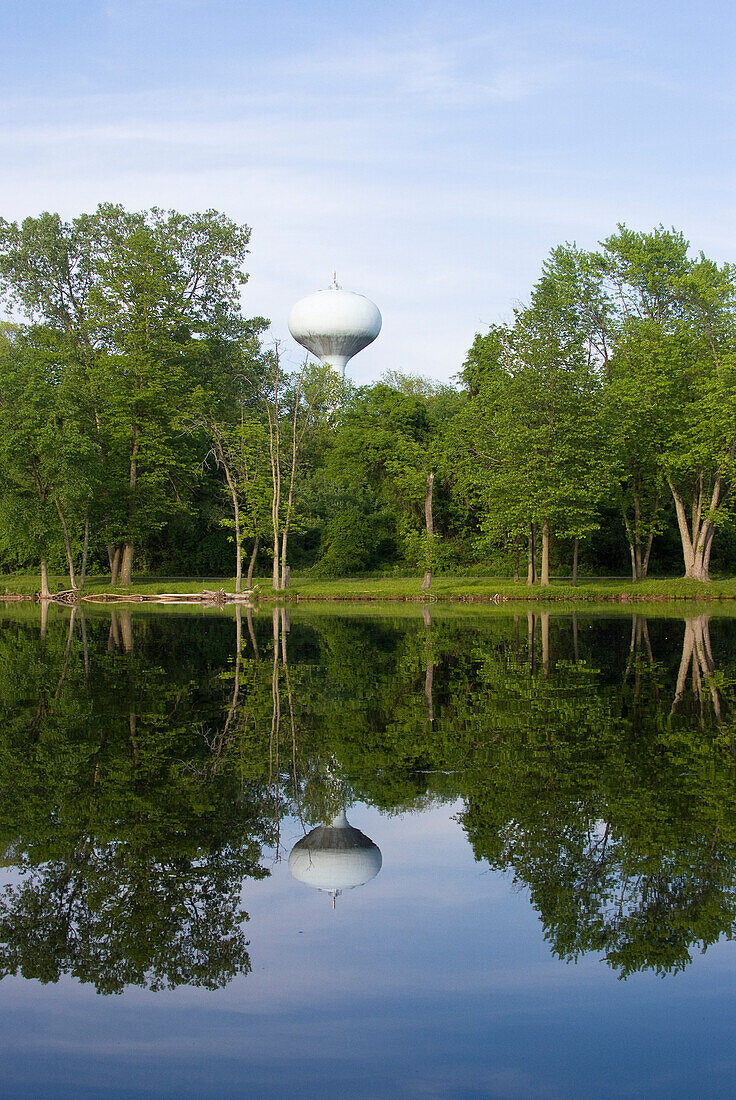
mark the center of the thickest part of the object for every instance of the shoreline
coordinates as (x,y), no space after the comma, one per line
(449,589)
(222,598)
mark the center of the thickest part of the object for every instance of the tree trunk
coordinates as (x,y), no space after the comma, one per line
(633,561)
(531,625)
(647,555)
(697,654)
(252,563)
(630,539)
(126,632)
(531,574)
(238,551)
(697,540)
(236,671)
(113,641)
(251,631)
(429,671)
(45,593)
(517,554)
(275,572)
(707,547)
(296,438)
(575,562)
(284,540)
(85,647)
(274,450)
(544,579)
(126,563)
(67,542)
(429,524)
(236,515)
(85,553)
(640,554)
(545,642)
(113,553)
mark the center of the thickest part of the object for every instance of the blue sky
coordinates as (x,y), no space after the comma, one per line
(433,153)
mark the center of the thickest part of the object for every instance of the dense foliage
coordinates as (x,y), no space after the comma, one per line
(144,421)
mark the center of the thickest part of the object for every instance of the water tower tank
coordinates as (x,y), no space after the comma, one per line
(335,324)
(335,857)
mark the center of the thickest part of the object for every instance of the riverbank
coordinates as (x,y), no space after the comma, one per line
(444,588)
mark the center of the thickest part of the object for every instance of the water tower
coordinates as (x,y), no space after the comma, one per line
(335,857)
(335,324)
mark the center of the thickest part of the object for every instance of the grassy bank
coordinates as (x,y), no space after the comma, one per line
(444,587)
(490,588)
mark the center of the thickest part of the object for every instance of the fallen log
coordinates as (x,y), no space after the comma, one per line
(206,598)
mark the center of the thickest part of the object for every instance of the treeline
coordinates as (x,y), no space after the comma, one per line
(146,422)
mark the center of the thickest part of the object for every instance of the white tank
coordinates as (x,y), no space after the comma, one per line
(335,857)
(335,324)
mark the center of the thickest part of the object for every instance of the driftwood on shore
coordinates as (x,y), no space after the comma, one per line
(204,599)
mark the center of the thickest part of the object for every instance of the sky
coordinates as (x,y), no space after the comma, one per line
(431,153)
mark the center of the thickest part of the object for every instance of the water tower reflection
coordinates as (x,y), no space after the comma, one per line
(335,857)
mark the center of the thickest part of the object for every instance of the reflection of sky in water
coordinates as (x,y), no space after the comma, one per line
(432,980)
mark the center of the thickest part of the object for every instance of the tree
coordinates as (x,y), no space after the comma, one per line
(532,430)
(300,411)
(389,438)
(225,411)
(241,452)
(592,298)
(671,324)
(312,400)
(137,295)
(47,455)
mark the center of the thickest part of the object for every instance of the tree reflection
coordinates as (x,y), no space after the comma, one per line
(146,760)
(697,659)
(116,917)
(618,814)
(132,851)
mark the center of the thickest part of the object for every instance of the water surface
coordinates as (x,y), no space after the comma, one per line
(553,797)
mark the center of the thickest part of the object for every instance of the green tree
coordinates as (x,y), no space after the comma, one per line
(671,325)
(225,412)
(311,404)
(532,433)
(48,456)
(390,438)
(138,296)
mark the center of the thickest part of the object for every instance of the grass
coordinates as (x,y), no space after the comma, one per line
(444,587)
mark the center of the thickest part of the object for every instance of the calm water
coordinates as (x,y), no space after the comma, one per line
(553,799)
